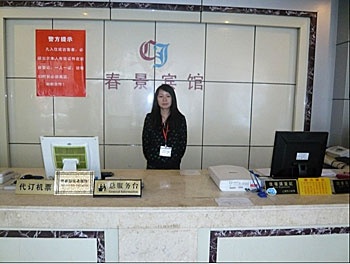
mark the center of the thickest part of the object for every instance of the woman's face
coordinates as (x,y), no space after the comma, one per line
(164,99)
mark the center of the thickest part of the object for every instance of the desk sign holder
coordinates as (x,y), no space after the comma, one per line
(118,187)
(74,182)
(33,186)
(314,186)
(341,186)
(282,186)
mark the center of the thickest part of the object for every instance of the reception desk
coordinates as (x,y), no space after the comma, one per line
(181,217)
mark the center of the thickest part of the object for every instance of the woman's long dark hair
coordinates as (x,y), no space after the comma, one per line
(175,114)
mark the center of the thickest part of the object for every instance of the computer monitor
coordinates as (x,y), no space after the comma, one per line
(70,154)
(298,154)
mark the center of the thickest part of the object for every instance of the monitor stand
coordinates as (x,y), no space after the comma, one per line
(302,170)
(70,164)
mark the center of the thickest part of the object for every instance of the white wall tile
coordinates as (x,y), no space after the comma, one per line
(229,53)
(227,113)
(275,55)
(341,72)
(58,13)
(272,110)
(345,125)
(185,49)
(124,157)
(26,156)
(154,15)
(20,46)
(340,123)
(123,41)
(192,158)
(213,156)
(81,116)
(125,111)
(343,21)
(30,116)
(102,154)
(260,157)
(94,43)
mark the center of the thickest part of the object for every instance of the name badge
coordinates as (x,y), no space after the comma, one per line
(165,151)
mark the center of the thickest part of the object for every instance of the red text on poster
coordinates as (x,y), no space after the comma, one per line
(60,63)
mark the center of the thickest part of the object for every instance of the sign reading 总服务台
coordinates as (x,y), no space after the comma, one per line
(118,188)
(60,63)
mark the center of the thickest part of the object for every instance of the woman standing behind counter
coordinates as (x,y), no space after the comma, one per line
(164,134)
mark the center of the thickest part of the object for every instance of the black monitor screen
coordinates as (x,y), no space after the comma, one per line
(298,154)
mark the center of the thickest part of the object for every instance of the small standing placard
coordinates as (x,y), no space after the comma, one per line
(314,186)
(118,187)
(74,182)
(26,186)
(282,186)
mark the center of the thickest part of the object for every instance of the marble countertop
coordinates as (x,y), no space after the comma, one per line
(168,188)
(171,200)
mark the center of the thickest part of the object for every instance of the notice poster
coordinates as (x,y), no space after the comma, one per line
(60,63)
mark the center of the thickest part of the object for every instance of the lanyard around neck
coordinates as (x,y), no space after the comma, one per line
(165,131)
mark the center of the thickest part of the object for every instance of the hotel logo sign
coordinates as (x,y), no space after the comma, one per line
(158,52)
